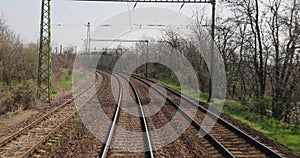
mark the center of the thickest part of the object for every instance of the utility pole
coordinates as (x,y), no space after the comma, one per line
(44,65)
(213,3)
(60,49)
(88,38)
(146,65)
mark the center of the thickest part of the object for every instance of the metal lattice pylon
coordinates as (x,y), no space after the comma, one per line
(44,70)
(44,67)
(212,2)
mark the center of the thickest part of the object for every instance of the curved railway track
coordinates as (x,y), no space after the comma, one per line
(122,118)
(223,140)
(168,134)
(226,138)
(30,138)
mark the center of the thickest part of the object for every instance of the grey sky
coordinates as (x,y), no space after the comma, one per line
(23,17)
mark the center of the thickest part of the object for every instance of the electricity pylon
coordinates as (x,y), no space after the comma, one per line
(44,65)
(44,69)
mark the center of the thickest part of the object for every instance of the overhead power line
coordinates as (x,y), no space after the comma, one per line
(74,18)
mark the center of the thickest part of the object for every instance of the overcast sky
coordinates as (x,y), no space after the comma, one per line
(23,17)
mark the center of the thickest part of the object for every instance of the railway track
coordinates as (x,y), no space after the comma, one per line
(227,139)
(223,140)
(168,134)
(30,138)
(117,140)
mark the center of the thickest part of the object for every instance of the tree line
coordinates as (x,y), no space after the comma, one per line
(260,45)
(17,62)
(259,42)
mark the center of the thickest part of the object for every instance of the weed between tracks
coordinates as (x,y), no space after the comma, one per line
(54,141)
(71,132)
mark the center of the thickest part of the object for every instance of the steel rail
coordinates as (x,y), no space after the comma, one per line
(17,133)
(219,146)
(107,143)
(143,117)
(44,139)
(35,123)
(231,127)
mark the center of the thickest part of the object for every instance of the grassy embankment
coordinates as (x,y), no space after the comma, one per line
(64,83)
(286,134)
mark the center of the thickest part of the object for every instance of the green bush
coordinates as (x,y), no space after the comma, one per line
(234,106)
(66,79)
(54,91)
(261,106)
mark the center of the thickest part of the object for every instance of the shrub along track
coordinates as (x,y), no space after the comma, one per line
(25,141)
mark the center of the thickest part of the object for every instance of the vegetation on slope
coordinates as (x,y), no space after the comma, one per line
(18,71)
(282,132)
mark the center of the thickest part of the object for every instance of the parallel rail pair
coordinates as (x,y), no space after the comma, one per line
(219,146)
(36,133)
(110,135)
